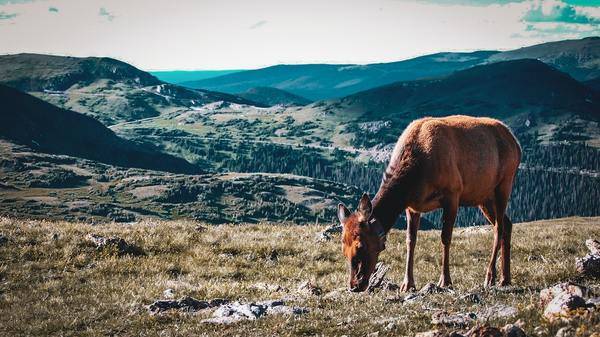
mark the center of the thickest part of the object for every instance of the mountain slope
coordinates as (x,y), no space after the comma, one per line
(106,89)
(37,72)
(319,81)
(527,94)
(42,126)
(272,96)
(578,58)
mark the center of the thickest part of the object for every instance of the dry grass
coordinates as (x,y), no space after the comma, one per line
(52,282)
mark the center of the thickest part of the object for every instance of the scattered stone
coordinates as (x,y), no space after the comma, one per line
(236,311)
(308,288)
(484,331)
(590,264)
(412,297)
(273,256)
(169,293)
(562,304)
(472,297)
(325,235)
(593,302)
(432,288)
(122,247)
(566,331)
(513,330)
(548,294)
(593,246)
(185,304)
(497,311)
(376,279)
(3,239)
(454,320)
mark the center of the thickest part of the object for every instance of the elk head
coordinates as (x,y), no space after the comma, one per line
(363,238)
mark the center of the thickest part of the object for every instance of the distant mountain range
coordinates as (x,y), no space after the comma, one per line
(579,58)
(272,96)
(516,91)
(321,81)
(178,76)
(106,89)
(30,121)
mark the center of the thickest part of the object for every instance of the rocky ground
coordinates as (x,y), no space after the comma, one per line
(185,278)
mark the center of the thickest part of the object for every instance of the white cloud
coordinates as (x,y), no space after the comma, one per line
(215,34)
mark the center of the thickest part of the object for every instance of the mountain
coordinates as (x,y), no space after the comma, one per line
(527,94)
(106,89)
(321,81)
(579,58)
(178,76)
(272,96)
(27,120)
(594,83)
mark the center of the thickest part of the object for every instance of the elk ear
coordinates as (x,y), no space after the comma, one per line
(364,206)
(343,213)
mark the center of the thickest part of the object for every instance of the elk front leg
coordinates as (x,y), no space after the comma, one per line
(413,219)
(450,210)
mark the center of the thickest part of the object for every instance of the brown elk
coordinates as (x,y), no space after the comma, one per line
(436,163)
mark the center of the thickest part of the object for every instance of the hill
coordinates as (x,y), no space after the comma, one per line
(578,58)
(514,91)
(272,96)
(37,72)
(321,81)
(50,262)
(106,89)
(30,121)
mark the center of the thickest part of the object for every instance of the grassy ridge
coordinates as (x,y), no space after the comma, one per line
(55,283)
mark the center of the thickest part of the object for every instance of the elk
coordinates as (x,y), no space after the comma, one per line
(436,163)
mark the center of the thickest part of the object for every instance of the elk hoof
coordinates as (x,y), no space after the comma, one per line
(407,286)
(505,282)
(445,283)
(490,280)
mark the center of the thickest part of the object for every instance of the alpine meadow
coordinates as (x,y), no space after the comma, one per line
(286,168)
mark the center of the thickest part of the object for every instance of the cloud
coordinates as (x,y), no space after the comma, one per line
(258,24)
(558,11)
(471,2)
(105,13)
(53,9)
(9,2)
(7,16)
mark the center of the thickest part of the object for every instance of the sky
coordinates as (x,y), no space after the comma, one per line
(246,34)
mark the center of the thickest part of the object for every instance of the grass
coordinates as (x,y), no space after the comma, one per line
(53,282)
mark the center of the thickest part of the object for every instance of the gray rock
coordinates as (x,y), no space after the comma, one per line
(472,297)
(593,302)
(236,311)
(121,246)
(562,304)
(548,294)
(3,239)
(431,288)
(326,234)
(588,265)
(512,330)
(308,288)
(454,320)
(497,311)
(185,304)
(169,293)
(593,246)
(566,331)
